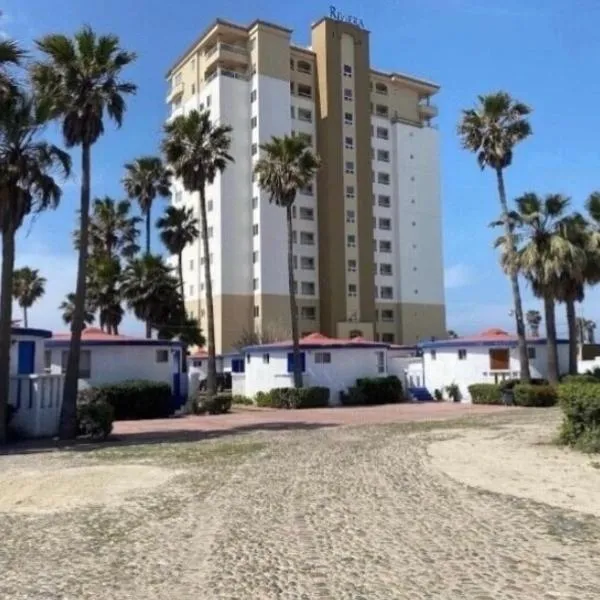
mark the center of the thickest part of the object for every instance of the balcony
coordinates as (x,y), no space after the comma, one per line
(225,73)
(427,110)
(175,92)
(229,55)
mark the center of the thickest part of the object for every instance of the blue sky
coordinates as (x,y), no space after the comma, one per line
(544,52)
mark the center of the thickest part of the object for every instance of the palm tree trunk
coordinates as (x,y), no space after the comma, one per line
(525,375)
(572,324)
(8,265)
(25,316)
(148,330)
(68,413)
(211,375)
(551,339)
(180,272)
(148,228)
(293,304)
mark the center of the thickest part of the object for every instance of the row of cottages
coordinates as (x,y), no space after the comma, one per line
(489,357)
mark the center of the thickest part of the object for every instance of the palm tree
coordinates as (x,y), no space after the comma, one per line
(178,228)
(104,294)
(452,335)
(67,307)
(534,319)
(78,82)
(197,150)
(145,179)
(581,331)
(288,166)
(491,131)
(28,287)
(151,290)
(10,55)
(590,327)
(28,167)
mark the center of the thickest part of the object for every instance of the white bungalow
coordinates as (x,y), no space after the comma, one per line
(326,362)
(489,357)
(107,358)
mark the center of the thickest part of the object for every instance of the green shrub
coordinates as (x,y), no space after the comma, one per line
(353,397)
(509,384)
(580,378)
(580,403)
(134,400)
(219,404)
(454,392)
(380,390)
(263,399)
(485,393)
(438,395)
(95,416)
(237,399)
(535,395)
(310,397)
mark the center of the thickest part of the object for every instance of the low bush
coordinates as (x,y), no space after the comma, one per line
(353,397)
(95,416)
(485,393)
(134,400)
(218,404)
(509,384)
(438,395)
(244,400)
(310,397)
(580,378)
(380,390)
(454,393)
(535,395)
(580,403)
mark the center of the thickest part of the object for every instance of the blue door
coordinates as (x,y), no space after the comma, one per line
(26,358)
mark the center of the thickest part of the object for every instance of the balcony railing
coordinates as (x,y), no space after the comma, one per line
(175,91)
(226,73)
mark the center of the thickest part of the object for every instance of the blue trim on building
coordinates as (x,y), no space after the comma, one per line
(457,343)
(287,347)
(41,333)
(87,343)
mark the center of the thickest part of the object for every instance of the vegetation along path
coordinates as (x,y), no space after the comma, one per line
(365,512)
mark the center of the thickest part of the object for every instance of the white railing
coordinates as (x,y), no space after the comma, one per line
(37,400)
(226,73)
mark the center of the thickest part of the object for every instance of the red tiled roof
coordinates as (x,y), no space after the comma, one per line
(200,353)
(94,334)
(318,339)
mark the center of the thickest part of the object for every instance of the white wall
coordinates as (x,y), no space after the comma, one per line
(475,368)
(347,365)
(114,363)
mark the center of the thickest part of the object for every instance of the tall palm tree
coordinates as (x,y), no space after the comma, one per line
(150,290)
(534,320)
(78,81)
(28,170)
(104,293)
(197,150)
(28,287)
(146,178)
(287,166)
(67,307)
(10,55)
(178,228)
(491,131)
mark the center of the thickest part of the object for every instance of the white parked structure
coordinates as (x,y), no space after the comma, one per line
(326,362)
(107,358)
(490,357)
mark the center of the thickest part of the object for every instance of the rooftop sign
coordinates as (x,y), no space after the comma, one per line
(334,13)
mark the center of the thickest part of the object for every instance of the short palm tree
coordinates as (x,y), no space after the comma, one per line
(104,293)
(178,228)
(288,165)
(197,150)
(28,170)
(28,286)
(452,335)
(491,131)
(78,81)
(10,55)
(534,320)
(146,178)
(150,290)
(67,307)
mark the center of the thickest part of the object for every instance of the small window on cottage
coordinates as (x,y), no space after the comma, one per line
(322,358)
(531,352)
(162,356)
(380,361)
(433,354)
(265,359)
(462,354)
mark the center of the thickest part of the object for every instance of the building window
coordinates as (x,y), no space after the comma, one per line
(308,313)
(385,246)
(255,202)
(256,310)
(291,64)
(307,288)
(294,237)
(387,293)
(433,354)
(352,266)
(255,283)
(383,155)
(253,122)
(295,261)
(162,356)
(292,112)
(253,96)
(347,71)
(351,241)
(381,110)
(209,232)
(350,216)
(531,352)
(385,269)
(306,137)
(348,94)
(303,67)
(380,362)
(254,149)
(304,90)
(322,358)
(349,167)
(383,133)
(85,363)
(266,358)
(308,190)
(383,178)
(384,201)
(388,338)
(462,354)
(305,115)
(348,118)
(381,88)
(255,229)
(255,257)
(385,224)
(387,315)
(307,263)
(349,143)
(308,214)
(349,191)
(307,238)
(352,290)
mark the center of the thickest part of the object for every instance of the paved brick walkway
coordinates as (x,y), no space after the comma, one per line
(249,419)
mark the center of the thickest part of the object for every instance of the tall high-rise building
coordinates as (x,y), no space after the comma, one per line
(367,232)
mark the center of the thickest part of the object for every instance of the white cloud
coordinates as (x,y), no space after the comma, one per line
(457,276)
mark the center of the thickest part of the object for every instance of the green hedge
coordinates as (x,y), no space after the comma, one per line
(218,404)
(309,397)
(133,400)
(485,393)
(244,400)
(380,390)
(580,378)
(580,403)
(535,395)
